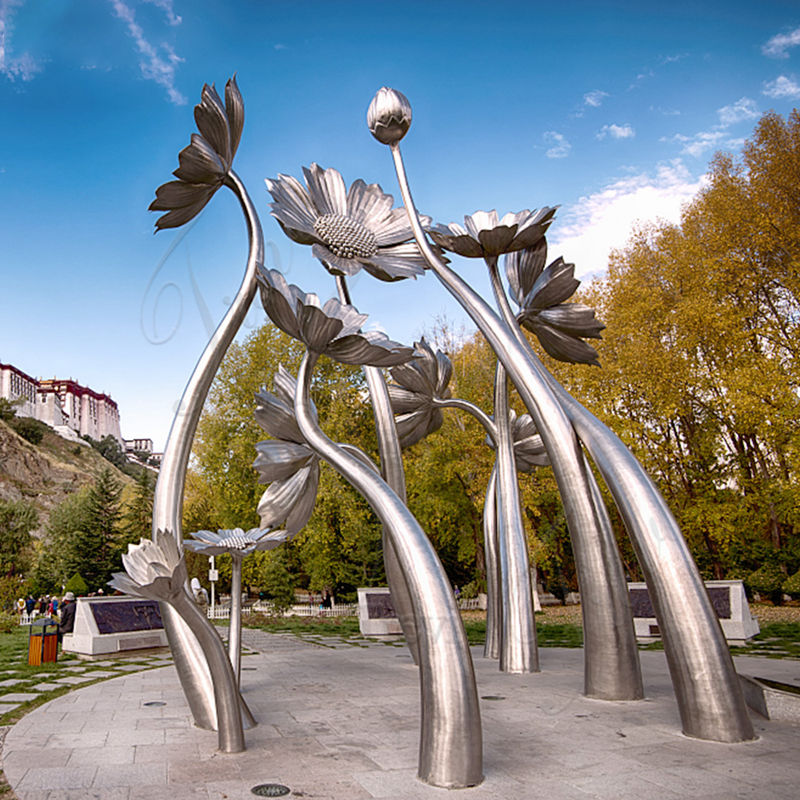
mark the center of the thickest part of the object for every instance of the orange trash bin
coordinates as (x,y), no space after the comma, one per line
(43,642)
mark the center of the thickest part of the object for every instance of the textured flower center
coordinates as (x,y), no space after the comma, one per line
(235,542)
(345,237)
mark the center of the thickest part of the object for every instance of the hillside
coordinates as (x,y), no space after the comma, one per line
(46,474)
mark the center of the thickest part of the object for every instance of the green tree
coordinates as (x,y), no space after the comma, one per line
(17,520)
(137,518)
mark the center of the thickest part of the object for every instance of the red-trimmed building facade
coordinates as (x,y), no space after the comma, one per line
(61,403)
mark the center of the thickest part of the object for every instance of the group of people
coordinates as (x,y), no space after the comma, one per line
(50,606)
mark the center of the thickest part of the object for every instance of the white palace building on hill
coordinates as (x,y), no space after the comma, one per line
(63,404)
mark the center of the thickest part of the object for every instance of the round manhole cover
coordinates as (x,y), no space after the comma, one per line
(270,790)
(153,703)
(492,697)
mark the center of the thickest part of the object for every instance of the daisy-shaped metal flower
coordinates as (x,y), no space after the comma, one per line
(206,161)
(486,236)
(348,229)
(153,568)
(235,540)
(333,329)
(418,384)
(286,462)
(541,293)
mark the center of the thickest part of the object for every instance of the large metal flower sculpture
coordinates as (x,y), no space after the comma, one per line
(485,235)
(348,229)
(333,329)
(286,462)
(155,568)
(204,164)
(418,384)
(541,293)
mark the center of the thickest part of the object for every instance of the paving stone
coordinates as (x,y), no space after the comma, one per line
(100,673)
(6,707)
(18,697)
(46,687)
(73,679)
(11,681)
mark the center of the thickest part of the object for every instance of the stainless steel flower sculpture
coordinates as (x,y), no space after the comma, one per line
(485,235)
(205,163)
(286,462)
(235,540)
(541,293)
(237,543)
(418,385)
(155,568)
(333,329)
(348,229)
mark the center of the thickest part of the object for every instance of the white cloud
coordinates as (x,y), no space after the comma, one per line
(743,109)
(156,64)
(166,7)
(594,98)
(777,46)
(560,146)
(23,66)
(616,132)
(782,87)
(585,233)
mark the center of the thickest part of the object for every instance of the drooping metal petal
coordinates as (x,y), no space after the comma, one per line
(556,284)
(370,348)
(276,417)
(234,108)
(279,459)
(199,163)
(212,122)
(523,267)
(291,501)
(560,345)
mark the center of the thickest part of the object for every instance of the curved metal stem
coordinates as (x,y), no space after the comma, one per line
(609,673)
(518,651)
(187,654)
(470,408)
(391,456)
(235,624)
(494,623)
(706,685)
(450,753)
(226,693)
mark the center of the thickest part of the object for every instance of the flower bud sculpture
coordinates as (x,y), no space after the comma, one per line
(389,116)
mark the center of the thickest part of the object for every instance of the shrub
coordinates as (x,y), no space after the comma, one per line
(77,585)
(28,428)
(792,585)
(8,622)
(768,580)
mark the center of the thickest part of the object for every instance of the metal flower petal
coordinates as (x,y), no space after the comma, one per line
(154,568)
(349,229)
(235,540)
(486,236)
(333,329)
(419,383)
(207,159)
(541,293)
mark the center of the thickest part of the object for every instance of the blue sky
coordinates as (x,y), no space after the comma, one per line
(611,110)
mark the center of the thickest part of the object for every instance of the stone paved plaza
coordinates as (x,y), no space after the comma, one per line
(342,723)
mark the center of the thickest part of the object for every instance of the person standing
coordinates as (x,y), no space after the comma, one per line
(67,624)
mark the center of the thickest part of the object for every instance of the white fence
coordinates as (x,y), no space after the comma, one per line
(297,610)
